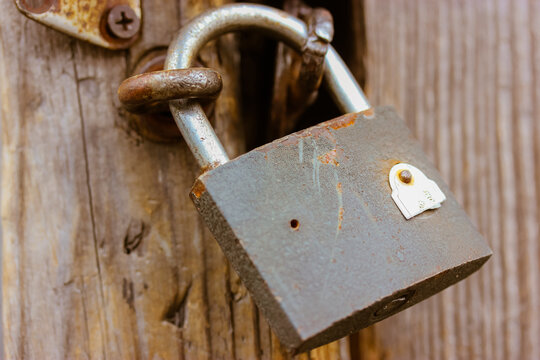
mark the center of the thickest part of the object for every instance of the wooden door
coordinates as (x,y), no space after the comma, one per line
(104,256)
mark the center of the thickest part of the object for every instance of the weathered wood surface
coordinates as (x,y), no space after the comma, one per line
(78,185)
(466,77)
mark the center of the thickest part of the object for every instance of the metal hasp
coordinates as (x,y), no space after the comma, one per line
(112,24)
(309,224)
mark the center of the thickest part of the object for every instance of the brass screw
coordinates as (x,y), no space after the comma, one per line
(405,176)
(122,22)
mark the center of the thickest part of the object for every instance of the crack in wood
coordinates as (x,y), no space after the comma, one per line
(132,242)
(127,292)
(176,311)
(103,323)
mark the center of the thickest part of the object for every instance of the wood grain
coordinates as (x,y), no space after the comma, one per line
(105,255)
(465,76)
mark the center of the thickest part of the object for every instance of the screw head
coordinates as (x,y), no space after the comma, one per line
(405,176)
(122,22)
(36,6)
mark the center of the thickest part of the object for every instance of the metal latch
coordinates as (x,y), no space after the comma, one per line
(112,24)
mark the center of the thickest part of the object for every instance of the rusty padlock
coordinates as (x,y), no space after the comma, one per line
(334,227)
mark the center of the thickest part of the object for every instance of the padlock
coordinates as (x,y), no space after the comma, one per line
(334,227)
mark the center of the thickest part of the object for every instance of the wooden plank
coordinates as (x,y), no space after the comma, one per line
(37,276)
(465,76)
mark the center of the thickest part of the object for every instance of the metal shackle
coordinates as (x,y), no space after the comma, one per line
(188,114)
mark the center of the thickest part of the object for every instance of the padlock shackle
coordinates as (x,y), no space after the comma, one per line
(188,114)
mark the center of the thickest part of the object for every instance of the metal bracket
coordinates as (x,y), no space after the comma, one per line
(113,24)
(298,75)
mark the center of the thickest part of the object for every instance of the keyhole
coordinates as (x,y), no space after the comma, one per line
(124,21)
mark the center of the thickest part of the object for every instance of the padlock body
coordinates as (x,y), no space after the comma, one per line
(309,225)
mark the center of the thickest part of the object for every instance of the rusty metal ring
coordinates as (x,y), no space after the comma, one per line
(140,92)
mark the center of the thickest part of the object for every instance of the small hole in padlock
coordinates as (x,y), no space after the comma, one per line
(295,224)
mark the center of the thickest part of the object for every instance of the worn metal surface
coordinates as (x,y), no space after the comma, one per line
(298,75)
(309,224)
(305,87)
(139,92)
(189,116)
(88,20)
(320,33)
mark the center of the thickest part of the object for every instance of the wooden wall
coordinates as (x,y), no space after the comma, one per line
(78,184)
(466,77)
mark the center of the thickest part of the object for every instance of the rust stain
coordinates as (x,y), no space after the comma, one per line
(209,167)
(409,183)
(386,165)
(340,217)
(329,158)
(339,188)
(344,121)
(332,157)
(369,113)
(389,163)
(198,189)
(139,92)
(86,17)
(82,19)
(323,130)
